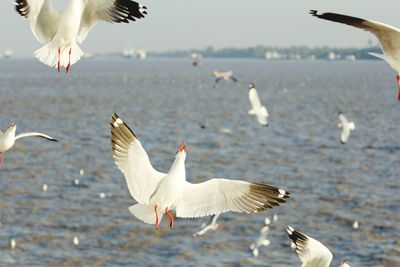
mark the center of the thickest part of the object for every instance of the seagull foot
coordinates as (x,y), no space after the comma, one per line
(69,61)
(155,210)
(171,219)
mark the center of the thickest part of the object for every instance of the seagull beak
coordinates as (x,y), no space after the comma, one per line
(182,147)
(398,83)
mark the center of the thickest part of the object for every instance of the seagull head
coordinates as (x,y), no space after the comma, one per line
(181,153)
(12,128)
(251,86)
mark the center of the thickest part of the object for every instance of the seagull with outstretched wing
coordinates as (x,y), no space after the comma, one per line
(347,126)
(61,32)
(388,36)
(157,193)
(8,138)
(257,109)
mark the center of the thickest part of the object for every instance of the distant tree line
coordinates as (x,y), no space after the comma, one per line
(294,52)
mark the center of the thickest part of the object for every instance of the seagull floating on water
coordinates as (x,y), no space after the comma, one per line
(312,253)
(347,126)
(211,225)
(157,193)
(223,75)
(61,32)
(387,35)
(8,138)
(257,109)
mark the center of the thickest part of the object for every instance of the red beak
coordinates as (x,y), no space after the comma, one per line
(182,147)
(398,83)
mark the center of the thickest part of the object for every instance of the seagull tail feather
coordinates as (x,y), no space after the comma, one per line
(48,54)
(145,213)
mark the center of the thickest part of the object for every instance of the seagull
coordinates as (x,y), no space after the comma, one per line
(262,239)
(257,109)
(346,126)
(312,253)
(157,193)
(211,225)
(223,75)
(61,32)
(8,138)
(387,35)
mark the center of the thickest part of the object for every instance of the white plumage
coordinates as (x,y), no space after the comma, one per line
(347,126)
(158,192)
(61,32)
(257,109)
(312,253)
(388,36)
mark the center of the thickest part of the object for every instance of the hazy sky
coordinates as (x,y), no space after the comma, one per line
(183,24)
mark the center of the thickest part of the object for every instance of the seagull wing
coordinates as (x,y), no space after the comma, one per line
(343,120)
(222,195)
(119,11)
(312,253)
(254,99)
(142,179)
(34,134)
(43,17)
(389,36)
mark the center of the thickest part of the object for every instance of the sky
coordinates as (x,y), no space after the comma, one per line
(190,24)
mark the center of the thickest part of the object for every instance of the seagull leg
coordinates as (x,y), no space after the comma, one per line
(155,210)
(59,59)
(398,82)
(171,219)
(1,158)
(69,61)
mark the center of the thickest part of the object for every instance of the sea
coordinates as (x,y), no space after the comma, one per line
(166,101)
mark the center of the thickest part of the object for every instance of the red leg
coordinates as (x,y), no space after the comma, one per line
(155,210)
(69,61)
(398,82)
(1,158)
(171,219)
(59,59)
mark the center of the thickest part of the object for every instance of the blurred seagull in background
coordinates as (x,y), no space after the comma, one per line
(262,239)
(346,126)
(211,225)
(312,253)
(62,31)
(387,35)
(257,109)
(223,75)
(157,193)
(8,138)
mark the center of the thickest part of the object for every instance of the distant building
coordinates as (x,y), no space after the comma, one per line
(331,56)
(273,55)
(350,57)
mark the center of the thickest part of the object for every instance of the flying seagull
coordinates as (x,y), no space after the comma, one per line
(312,253)
(223,75)
(257,109)
(157,193)
(61,32)
(8,138)
(347,126)
(387,35)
